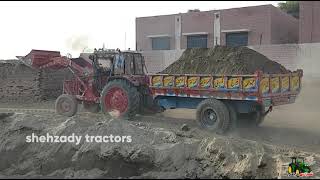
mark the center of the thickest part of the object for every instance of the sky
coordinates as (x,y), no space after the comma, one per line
(75,27)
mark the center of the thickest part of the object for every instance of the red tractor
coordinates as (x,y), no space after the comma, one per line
(114,82)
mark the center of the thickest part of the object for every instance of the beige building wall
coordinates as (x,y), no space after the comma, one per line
(265,24)
(309,24)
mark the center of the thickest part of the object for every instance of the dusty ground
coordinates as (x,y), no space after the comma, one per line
(160,148)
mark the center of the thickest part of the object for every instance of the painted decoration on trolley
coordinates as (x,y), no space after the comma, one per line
(285,84)
(168,81)
(219,83)
(294,83)
(275,84)
(264,86)
(249,84)
(193,81)
(205,82)
(157,81)
(234,83)
(180,81)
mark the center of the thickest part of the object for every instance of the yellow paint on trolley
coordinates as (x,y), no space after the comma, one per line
(264,85)
(295,83)
(157,81)
(180,81)
(205,82)
(234,83)
(219,82)
(249,83)
(193,81)
(284,84)
(168,81)
(275,84)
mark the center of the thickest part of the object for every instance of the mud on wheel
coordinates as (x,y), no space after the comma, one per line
(213,114)
(66,105)
(120,99)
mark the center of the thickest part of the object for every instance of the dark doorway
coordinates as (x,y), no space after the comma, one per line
(237,39)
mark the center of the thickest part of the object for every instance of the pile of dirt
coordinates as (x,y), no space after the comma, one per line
(153,153)
(223,60)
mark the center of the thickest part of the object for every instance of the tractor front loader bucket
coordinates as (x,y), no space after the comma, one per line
(38,58)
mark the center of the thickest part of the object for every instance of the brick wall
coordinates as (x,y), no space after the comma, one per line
(20,83)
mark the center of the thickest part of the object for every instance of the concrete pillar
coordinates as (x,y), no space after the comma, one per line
(177,32)
(216,27)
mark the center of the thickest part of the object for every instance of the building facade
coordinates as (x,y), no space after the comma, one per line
(232,27)
(309,25)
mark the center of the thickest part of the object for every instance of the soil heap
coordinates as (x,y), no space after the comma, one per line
(153,153)
(223,60)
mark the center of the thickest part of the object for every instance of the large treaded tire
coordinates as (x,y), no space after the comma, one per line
(66,105)
(132,97)
(221,116)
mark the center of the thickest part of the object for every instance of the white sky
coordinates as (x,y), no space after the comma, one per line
(61,25)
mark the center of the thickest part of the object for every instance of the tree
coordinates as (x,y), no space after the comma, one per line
(290,7)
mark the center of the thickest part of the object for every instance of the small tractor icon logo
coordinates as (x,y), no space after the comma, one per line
(299,168)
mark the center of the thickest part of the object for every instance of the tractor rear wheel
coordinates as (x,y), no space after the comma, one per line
(213,115)
(120,99)
(91,107)
(66,105)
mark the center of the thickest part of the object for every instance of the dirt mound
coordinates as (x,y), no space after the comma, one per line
(223,60)
(153,152)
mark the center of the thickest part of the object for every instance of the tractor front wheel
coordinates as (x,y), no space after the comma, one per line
(66,105)
(120,99)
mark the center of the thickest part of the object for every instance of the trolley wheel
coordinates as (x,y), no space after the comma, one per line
(213,115)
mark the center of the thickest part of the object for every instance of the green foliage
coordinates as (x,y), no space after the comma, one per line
(291,7)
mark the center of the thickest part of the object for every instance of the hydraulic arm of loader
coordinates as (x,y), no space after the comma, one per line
(41,59)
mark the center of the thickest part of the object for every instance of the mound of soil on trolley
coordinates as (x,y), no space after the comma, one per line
(223,60)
